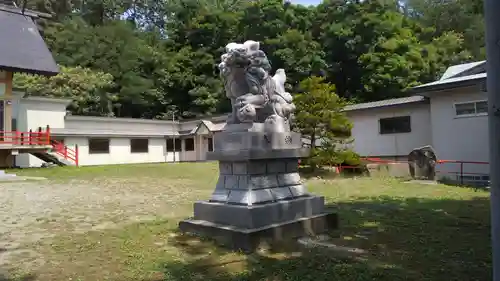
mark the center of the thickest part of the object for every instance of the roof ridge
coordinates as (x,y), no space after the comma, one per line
(455,71)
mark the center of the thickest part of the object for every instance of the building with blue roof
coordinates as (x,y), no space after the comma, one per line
(449,114)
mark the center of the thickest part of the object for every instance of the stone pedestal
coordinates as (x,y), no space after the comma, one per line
(259,195)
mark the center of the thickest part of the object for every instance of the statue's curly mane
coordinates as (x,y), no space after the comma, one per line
(255,95)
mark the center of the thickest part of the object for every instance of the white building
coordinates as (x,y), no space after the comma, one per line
(101,140)
(449,114)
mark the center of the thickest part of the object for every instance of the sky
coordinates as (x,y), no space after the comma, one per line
(306,2)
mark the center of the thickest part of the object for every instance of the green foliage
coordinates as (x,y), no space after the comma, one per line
(465,17)
(163,55)
(88,89)
(321,120)
(379,52)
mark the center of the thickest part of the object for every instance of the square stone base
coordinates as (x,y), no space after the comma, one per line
(248,240)
(259,215)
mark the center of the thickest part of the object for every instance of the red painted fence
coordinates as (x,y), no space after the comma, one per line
(39,137)
(67,153)
(461,170)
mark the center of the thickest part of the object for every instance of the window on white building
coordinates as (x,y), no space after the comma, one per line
(210,144)
(139,145)
(171,145)
(474,108)
(98,146)
(189,144)
(395,125)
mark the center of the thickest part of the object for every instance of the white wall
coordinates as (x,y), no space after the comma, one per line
(40,112)
(34,112)
(369,142)
(119,152)
(459,138)
(201,149)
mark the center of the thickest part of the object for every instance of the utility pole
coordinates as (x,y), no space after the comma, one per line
(173,122)
(492,21)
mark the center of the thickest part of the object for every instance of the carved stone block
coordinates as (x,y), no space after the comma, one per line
(281,193)
(235,141)
(277,166)
(292,166)
(298,190)
(239,168)
(220,193)
(288,179)
(250,197)
(256,167)
(231,182)
(225,168)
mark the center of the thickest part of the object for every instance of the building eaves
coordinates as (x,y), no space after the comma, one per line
(109,133)
(457,70)
(212,127)
(118,119)
(385,103)
(37,99)
(450,83)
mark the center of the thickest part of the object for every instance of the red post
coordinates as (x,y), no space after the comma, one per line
(76,154)
(39,137)
(65,152)
(48,135)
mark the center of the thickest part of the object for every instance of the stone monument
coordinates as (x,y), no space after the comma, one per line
(422,163)
(259,194)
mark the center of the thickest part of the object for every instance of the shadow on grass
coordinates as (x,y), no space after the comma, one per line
(481,185)
(407,239)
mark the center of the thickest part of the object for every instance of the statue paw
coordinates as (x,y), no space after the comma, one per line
(241,102)
(276,124)
(246,113)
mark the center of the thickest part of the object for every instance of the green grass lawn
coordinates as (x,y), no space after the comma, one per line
(408,232)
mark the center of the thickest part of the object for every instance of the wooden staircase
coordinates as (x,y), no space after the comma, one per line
(60,154)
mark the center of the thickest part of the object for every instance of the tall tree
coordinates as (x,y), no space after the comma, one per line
(465,17)
(89,90)
(321,120)
(375,52)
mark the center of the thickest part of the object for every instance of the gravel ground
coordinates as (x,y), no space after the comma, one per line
(30,211)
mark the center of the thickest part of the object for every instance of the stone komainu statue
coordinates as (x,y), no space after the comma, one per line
(255,96)
(422,163)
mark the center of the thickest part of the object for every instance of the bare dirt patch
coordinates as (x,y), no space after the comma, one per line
(31,211)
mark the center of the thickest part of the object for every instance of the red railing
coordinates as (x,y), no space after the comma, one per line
(25,138)
(461,171)
(370,160)
(39,137)
(62,150)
